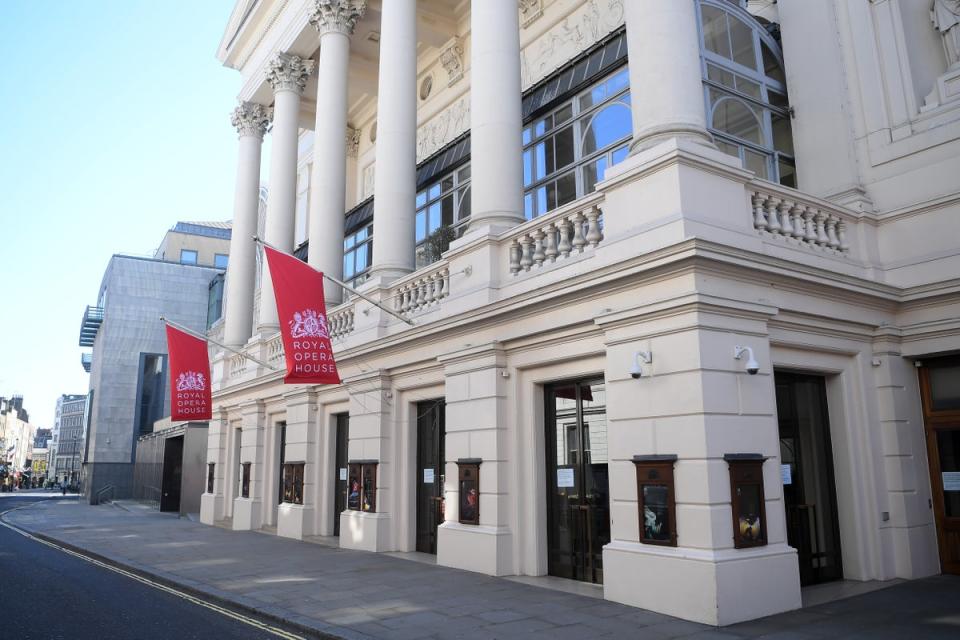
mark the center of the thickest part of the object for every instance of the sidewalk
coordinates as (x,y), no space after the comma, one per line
(356,595)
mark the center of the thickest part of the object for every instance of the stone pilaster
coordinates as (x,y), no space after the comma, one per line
(298,520)
(248,512)
(476,428)
(212,504)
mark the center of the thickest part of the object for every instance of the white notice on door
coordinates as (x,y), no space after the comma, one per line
(564,478)
(785,475)
(428,476)
(343,473)
(951,480)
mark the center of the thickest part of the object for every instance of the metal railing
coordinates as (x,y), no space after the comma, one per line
(98,497)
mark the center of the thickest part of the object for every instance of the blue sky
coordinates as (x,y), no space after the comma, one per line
(114,125)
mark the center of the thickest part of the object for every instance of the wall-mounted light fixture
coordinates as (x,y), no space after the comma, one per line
(753,367)
(636,371)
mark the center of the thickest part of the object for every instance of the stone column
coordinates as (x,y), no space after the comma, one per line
(495,116)
(252,121)
(396,176)
(248,512)
(297,520)
(288,76)
(334,20)
(664,51)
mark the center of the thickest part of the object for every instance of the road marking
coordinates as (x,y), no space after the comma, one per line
(253,622)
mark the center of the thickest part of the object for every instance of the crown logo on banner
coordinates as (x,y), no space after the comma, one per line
(308,324)
(191,381)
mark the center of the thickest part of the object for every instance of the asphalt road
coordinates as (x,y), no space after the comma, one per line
(49,594)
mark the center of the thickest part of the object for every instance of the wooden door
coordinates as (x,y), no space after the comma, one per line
(940,389)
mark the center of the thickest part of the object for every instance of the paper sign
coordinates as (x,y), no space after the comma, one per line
(951,480)
(428,476)
(785,474)
(343,473)
(564,477)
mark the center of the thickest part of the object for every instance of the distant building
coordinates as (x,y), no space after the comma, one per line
(39,465)
(67,443)
(42,439)
(203,243)
(128,368)
(16,441)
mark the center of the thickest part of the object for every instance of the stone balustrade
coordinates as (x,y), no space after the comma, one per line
(275,350)
(780,213)
(561,234)
(238,365)
(423,288)
(340,320)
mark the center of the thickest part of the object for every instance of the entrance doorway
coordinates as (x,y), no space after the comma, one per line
(172,474)
(429,470)
(578,496)
(940,390)
(809,490)
(340,470)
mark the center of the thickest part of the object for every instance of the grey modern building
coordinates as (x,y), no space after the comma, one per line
(129,380)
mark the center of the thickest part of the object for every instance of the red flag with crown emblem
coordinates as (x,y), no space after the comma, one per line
(298,289)
(190,396)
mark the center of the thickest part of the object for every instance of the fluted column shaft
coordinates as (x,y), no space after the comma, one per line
(496,119)
(251,121)
(288,76)
(396,169)
(664,50)
(334,20)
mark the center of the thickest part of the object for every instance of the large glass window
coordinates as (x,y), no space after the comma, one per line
(153,370)
(215,299)
(745,91)
(443,208)
(220,260)
(188,256)
(567,151)
(358,255)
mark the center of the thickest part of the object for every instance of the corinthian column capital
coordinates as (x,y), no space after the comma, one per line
(337,16)
(251,119)
(289,72)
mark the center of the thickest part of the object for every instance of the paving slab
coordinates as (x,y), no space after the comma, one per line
(355,595)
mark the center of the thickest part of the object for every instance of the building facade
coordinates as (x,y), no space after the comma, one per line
(66,448)
(203,243)
(129,381)
(16,442)
(677,286)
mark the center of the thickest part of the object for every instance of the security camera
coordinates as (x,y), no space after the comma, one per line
(636,371)
(753,367)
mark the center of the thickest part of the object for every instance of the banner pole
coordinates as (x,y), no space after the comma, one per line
(222,346)
(345,286)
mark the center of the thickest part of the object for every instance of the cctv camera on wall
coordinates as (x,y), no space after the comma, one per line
(752,367)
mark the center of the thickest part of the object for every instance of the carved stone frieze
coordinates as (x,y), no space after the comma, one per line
(289,72)
(578,31)
(338,16)
(443,128)
(530,10)
(369,180)
(452,60)
(251,119)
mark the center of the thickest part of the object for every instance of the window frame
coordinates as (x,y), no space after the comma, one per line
(579,121)
(358,277)
(760,38)
(196,256)
(226,261)
(460,191)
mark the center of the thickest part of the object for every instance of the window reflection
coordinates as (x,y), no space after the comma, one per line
(745,91)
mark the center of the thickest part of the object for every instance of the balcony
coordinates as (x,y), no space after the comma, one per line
(90,325)
(666,208)
(86,359)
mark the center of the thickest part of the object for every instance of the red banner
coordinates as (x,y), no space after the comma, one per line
(190,397)
(303,320)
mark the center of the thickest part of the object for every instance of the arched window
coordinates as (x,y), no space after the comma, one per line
(745,90)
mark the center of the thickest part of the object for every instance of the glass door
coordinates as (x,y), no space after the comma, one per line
(578,497)
(940,390)
(340,470)
(809,492)
(430,469)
